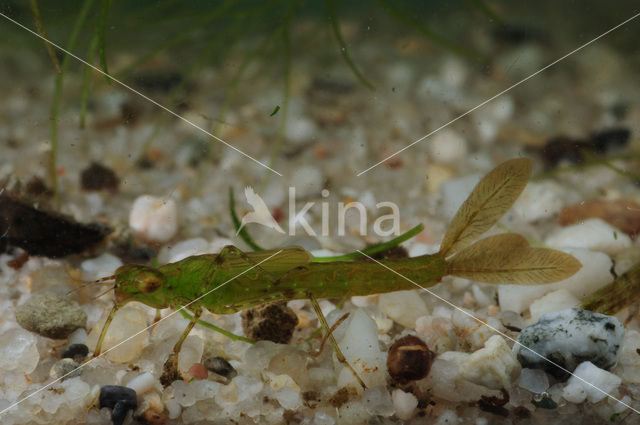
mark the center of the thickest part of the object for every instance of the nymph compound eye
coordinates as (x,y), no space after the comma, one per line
(149,284)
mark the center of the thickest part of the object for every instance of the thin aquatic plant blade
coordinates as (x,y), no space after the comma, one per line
(508,258)
(490,199)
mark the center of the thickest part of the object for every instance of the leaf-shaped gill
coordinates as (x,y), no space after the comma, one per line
(508,258)
(490,199)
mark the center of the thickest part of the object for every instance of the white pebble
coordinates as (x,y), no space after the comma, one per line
(378,401)
(403,307)
(18,351)
(454,192)
(96,268)
(593,275)
(447,146)
(79,336)
(602,383)
(142,383)
(288,398)
(553,301)
(361,348)
(447,382)
(183,393)
(190,353)
(540,200)
(184,249)
(308,181)
(321,418)
(300,130)
(404,404)
(628,366)
(128,321)
(594,234)
(154,219)
(493,366)
(534,380)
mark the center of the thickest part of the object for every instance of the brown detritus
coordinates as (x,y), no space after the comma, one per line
(270,322)
(45,233)
(99,177)
(495,405)
(392,253)
(342,396)
(170,371)
(152,416)
(622,214)
(311,399)
(564,148)
(19,261)
(409,360)
(610,138)
(522,412)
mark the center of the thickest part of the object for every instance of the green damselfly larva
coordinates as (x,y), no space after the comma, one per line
(290,273)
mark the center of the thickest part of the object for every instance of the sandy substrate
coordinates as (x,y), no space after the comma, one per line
(336,129)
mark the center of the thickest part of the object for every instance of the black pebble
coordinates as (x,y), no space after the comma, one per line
(77,352)
(610,138)
(220,366)
(120,399)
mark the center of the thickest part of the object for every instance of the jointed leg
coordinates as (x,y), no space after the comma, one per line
(171,372)
(332,340)
(103,333)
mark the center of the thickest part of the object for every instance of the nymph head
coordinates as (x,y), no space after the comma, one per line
(140,283)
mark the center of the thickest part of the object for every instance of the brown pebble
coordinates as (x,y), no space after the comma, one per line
(409,360)
(99,177)
(270,322)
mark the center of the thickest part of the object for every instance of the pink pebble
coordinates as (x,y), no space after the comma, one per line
(198,371)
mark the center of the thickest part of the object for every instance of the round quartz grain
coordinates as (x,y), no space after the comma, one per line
(154,219)
(51,315)
(190,353)
(309,180)
(404,404)
(378,401)
(142,383)
(447,146)
(361,348)
(99,267)
(18,351)
(174,408)
(533,380)
(128,321)
(404,307)
(288,398)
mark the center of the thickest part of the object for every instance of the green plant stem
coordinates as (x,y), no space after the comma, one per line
(592,163)
(86,81)
(333,20)
(106,4)
(211,326)
(57,98)
(412,22)
(33,4)
(373,250)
